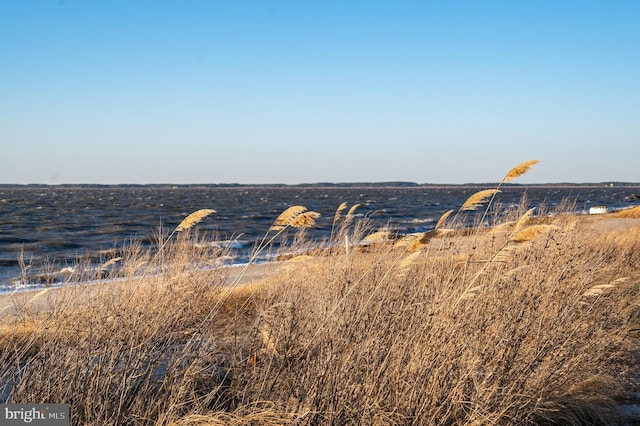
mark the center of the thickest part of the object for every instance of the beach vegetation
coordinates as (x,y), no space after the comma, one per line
(527,319)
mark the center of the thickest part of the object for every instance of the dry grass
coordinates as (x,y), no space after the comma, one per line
(630,213)
(530,322)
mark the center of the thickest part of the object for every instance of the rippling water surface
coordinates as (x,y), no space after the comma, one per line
(53,227)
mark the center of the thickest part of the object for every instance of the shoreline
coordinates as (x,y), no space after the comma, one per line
(43,299)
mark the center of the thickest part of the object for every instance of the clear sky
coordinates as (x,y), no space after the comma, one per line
(114,91)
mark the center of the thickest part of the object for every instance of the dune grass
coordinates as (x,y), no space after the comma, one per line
(533,320)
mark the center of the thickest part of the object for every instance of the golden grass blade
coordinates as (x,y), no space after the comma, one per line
(443,219)
(519,170)
(531,233)
(523,220)
(476,200)
(286,217)
(341,207)
(193,219)
(305,220)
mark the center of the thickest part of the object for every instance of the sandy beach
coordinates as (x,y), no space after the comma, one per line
(46,299)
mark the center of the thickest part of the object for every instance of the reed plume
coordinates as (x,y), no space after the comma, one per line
(519,170)
(305,220)
(193,219)
(286,217)
(597,290)
(341,207)
(476,200)
(523,220)
(352,210)
(443,219)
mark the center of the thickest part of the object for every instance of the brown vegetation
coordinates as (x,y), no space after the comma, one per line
(523,323)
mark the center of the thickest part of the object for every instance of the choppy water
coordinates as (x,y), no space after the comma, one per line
(51,228)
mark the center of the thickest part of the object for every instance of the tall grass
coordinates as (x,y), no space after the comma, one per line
(532,320)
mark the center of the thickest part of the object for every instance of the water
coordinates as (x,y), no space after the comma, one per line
(52,228)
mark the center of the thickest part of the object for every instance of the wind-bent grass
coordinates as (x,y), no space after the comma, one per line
(533,320)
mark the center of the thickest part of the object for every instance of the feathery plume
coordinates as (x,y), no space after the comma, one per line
(352,209)
(597,290)
(523,220)
(109,262)
(286,217)
(305,220)
(443,219)
(476,200)
(519,170)
(193,219)
(341,207)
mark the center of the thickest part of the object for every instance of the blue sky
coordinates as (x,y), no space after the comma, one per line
(301,91)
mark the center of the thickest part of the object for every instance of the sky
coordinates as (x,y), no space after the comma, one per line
(111,92)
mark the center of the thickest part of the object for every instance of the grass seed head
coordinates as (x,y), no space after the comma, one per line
(286,217)
(477,199)
(519,170)
(193,219)
(305,220)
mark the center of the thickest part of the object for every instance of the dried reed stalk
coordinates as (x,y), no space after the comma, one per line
(193,219)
